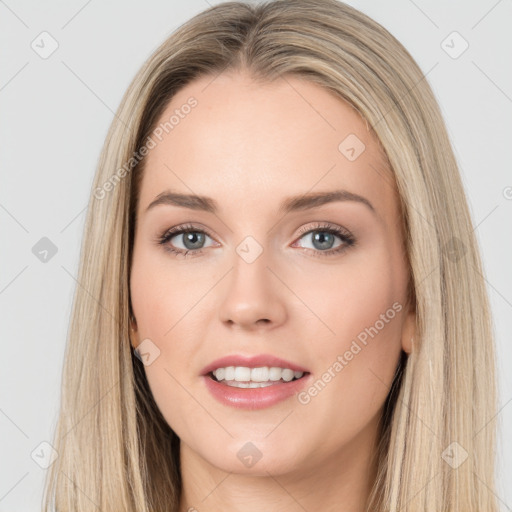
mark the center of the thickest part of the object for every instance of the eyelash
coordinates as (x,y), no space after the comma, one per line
(343,234)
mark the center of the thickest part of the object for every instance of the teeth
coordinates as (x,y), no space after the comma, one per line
(242,376)
(236,384)
(275,373)
(260,374)
(287,375)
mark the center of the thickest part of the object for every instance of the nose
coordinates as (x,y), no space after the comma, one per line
(254,297)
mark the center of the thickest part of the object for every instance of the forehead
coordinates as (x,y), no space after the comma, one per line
(252,143)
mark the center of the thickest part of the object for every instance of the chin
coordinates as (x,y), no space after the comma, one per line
(255,458)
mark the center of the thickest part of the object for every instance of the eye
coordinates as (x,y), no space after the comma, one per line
(188,239)
(323,237)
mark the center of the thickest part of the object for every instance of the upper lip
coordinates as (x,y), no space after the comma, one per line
(251,362)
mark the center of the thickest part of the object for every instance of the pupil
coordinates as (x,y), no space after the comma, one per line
(321,237)
(193,240)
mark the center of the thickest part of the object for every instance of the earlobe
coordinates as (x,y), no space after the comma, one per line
(409,332)
(133,333)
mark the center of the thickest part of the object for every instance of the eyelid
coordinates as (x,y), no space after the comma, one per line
(184,228)
(327,226)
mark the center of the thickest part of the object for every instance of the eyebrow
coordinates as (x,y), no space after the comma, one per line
(296,203)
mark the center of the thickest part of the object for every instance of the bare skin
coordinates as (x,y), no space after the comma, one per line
(249,147)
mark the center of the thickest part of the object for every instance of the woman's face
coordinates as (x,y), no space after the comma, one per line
(318,281)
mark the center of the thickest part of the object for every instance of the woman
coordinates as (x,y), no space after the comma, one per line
(280,304)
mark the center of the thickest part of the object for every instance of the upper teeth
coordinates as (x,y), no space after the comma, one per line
(261,374)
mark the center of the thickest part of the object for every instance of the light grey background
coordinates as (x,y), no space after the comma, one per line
(55,113)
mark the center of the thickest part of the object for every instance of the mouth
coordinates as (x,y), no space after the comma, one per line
(256,377)
(254,381)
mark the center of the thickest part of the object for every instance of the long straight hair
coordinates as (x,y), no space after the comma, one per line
(437,449)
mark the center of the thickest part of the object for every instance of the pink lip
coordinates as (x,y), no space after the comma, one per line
(251,362)
(254,398)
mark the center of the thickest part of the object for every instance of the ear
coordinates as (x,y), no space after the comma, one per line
(408,331)
(134,335)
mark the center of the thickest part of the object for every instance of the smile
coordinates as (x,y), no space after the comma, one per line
(245,377)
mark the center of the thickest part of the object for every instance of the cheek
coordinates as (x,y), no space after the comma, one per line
(172,395)
(163,296)
(358,349)
(165,306)
(361,294)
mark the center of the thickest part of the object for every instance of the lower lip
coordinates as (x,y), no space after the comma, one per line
(254,398)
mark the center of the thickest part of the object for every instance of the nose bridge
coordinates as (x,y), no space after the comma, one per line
(253,294)
(250,265)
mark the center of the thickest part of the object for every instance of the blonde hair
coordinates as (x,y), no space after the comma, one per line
(115,450)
